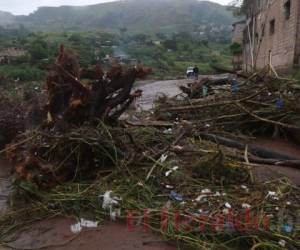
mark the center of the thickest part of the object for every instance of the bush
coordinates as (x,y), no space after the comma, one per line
(236,49)
(23,73)
(38,50)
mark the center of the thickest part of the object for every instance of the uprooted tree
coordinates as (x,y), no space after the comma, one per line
(72,102)
(74,137)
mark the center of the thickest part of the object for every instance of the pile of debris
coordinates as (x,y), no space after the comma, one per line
(11,119)
(189,178)
(250,107)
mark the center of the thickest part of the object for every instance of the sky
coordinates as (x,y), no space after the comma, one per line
(24,7)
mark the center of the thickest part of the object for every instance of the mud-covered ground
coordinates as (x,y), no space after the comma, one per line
(55,234)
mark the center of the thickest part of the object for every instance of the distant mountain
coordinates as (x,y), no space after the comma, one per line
(6,18)
(137,16)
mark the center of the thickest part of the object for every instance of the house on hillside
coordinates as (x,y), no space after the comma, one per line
(10,54)
(272,34)
(237,44)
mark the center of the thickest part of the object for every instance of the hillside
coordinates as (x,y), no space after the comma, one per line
(137,16)
(6,18)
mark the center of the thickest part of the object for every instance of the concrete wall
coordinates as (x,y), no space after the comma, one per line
(283,43)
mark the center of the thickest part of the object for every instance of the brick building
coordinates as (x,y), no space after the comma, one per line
(9,54)
(272,34)
(237,44)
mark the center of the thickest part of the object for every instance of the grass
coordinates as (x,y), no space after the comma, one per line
(22,72)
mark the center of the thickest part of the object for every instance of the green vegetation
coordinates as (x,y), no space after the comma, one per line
(297,74)
(168,55)
(236,49)
(167,35)
(22,72)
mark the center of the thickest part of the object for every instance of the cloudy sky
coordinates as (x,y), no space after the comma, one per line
(27,6)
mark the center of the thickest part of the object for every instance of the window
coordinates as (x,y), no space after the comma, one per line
(287,9)
(263,30)
(256,38)
(272,27)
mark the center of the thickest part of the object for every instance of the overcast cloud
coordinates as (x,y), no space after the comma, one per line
(24,7)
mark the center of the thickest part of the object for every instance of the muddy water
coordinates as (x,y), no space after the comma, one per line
(282,146)
(169,88)
(152,90)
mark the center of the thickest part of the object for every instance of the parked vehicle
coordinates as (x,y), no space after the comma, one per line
(190,72)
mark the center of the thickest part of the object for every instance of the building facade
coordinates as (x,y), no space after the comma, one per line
(237,44)
(272,34)
(9,54)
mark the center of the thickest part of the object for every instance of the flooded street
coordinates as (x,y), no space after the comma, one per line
(169,88)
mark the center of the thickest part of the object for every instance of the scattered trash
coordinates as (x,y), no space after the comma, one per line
(171,171)
(201,197)
(175,196)
(177,148)
(77,228)
(108,201)
(206,191)
(114,214)
(272,195)
(288,228)
(279,103)
(282,243)
(245,188)
(140,184)
(168,131)
(227,205)
(88,223)
(163,158)
(246,206)
(234,86)
(217,194)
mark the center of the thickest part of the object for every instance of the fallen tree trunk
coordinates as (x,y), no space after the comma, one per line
(257,151)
